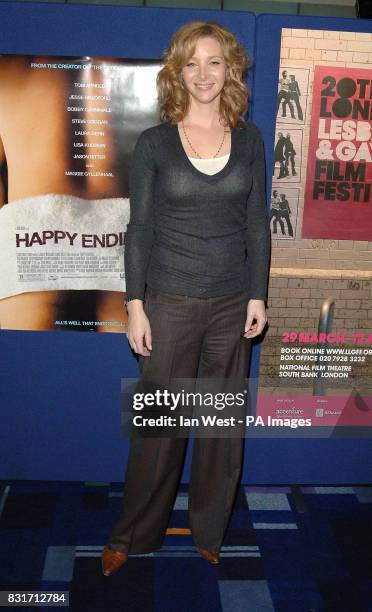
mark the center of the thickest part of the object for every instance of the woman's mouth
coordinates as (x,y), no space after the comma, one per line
(204,85)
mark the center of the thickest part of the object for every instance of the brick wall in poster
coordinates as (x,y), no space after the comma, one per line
(304,272)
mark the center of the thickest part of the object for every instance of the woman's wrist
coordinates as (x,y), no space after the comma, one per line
(134,305)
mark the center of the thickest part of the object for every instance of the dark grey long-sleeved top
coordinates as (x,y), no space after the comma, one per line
(192,233)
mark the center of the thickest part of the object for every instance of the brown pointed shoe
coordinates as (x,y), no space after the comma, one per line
(112,560)
(212,557)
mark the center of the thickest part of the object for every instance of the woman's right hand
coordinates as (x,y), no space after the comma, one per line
(139,330)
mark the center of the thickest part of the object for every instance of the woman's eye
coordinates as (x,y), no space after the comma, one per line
(190,64)
(216,62)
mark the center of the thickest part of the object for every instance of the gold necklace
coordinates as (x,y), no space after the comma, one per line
(192,148)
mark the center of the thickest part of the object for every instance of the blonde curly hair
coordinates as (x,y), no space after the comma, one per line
(174,98)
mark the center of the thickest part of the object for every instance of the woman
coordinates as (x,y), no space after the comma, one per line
(197,256)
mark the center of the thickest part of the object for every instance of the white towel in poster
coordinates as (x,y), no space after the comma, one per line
(58,241)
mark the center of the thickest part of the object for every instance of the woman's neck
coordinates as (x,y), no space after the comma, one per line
(204,116)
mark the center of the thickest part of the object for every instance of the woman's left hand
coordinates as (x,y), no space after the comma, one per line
(256,318)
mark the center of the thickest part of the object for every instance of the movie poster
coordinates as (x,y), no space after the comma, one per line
(68,127)
(339,166)
(316,357)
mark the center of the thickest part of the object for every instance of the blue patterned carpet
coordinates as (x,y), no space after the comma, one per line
(286,550)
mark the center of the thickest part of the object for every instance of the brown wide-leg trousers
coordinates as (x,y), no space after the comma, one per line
(191,337)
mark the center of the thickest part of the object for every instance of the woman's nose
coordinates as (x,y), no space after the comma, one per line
(202,72)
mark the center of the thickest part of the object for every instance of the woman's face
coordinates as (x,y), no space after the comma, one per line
(205,72)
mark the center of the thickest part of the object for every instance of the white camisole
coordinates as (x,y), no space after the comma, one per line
(210,165)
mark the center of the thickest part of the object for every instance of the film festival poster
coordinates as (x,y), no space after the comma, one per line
(316,357)
(68,127)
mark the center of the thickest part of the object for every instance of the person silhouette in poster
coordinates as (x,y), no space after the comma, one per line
(284,212)
(294,94)
(275,213)
(283,95)
(279,156)
(289,155)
